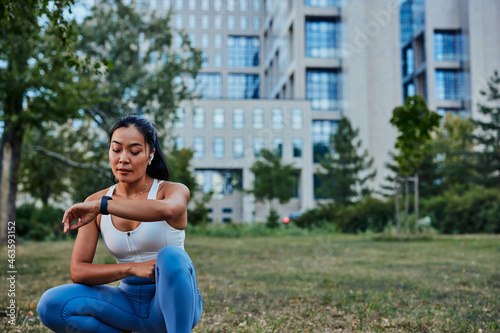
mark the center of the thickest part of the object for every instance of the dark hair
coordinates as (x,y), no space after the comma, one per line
(158,168)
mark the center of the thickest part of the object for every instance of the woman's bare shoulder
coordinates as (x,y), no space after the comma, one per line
(168,186)
(97,195)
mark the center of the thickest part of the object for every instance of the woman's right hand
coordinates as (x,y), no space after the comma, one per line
(144,269)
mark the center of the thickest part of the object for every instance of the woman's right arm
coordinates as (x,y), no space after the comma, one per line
(82,269)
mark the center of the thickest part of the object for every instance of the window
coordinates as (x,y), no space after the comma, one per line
(408,61)
(322,89)
(205,41)
(231,4)
(179,21)
(218,147)
(238,118)
(220,182)
(177,41)
(179,4)
(443,112)
(179,143)
(219,120)
(205,22)
(238,147)
(192,21)
(322,3)
(297,119)
(321,38)
(243,23)
(165,4)
(227,210)
(256,23)
(217,5)
(447,45)
(243,86)
(297,144)
(180,118)
(243,5)
(199,147)
(205,60)
(277,144)
(243,51)
(192,4)
(277,119)
(205,4)
(449,84)
(209,85)
(217,41)
(192,39)
(258,145)
(218,22)
(321,132)
(199,118)
(217,59)
(256,5)
(409,90)
(258,118)
(231,22)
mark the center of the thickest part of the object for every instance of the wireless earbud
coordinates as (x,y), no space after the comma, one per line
(152,156)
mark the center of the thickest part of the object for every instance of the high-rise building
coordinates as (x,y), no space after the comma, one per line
(449,52)
(279,74)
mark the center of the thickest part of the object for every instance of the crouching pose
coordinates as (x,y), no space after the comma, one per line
(142,220)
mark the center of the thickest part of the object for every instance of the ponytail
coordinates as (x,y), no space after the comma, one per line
(158,168)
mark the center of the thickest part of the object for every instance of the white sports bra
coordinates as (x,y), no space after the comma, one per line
(142,243)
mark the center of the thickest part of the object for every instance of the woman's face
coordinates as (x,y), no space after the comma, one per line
(128,154)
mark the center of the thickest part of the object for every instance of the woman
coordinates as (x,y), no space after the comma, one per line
(142,220)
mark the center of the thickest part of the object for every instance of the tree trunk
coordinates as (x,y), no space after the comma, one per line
(396,202)
(416,204)
(407,204)
(11,159)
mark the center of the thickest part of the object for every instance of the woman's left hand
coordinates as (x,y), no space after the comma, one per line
(85,212)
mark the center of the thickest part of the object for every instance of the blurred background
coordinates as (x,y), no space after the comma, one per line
(361,114)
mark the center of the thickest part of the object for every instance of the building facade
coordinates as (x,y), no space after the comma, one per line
(280,74)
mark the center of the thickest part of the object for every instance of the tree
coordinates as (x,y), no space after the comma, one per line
(415,123)
(346,170)
(488,136)
(36,84)
(144,79)
(274,181)
(451,162)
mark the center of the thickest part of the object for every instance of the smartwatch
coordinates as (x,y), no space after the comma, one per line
(104,204)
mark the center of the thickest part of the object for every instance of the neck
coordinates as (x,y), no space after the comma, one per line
(134,188)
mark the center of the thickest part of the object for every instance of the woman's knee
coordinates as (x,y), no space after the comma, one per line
(50,305)
(174,260)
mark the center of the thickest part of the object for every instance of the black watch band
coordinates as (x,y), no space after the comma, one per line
(104,204)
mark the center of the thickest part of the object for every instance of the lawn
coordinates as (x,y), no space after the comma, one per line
(322,283)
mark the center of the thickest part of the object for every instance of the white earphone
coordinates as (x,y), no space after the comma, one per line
(152,156)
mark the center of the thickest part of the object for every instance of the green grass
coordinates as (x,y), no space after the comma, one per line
(315,283)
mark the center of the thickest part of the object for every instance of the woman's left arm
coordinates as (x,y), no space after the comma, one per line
(171,206)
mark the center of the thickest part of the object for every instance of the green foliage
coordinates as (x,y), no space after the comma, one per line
(146,68)
(369,214)
(473,211)
(415,123)
(488,137)
(198,212)
(346,171)
(273,179)
(43,223)
(451,162)
(273,219)
(179,165)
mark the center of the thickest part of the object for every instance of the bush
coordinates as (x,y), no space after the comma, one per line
(35,223)
(368,214)
(475,211)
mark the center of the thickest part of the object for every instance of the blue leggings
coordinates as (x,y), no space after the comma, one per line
(171,304)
